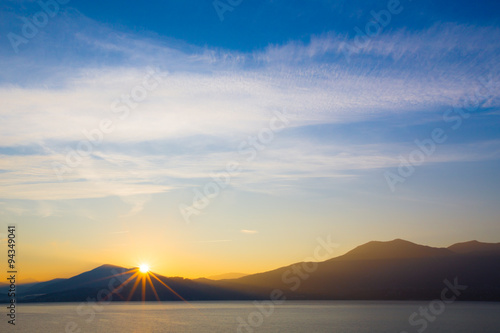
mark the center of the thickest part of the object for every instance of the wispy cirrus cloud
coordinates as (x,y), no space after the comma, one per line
(212,99)
(249,232)
(438,46)
(135,176)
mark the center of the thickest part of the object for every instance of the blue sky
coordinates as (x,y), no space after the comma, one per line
(354,107)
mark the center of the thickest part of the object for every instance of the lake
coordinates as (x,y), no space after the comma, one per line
(289,317)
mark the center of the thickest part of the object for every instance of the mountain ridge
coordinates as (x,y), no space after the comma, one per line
(474,246)
(396,269)
(394,249)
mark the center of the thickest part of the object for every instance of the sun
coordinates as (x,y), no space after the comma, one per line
(143,277)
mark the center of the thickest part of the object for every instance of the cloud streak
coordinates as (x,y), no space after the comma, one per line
(214,99)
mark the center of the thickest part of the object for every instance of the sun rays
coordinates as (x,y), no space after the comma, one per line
(141,276)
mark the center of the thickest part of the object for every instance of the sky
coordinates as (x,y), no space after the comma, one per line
(207,137)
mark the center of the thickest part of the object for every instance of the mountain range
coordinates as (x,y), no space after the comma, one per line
(393,270)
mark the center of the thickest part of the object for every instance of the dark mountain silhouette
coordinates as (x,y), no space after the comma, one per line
(394,270)
(101,281)
(396,249)
(226,276)
(475,246)
(91,279)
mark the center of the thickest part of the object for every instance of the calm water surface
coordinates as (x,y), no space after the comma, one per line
(290,317)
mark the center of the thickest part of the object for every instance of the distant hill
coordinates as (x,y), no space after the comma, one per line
(396,249)
(226,276)
(106,278)
(474,246)
(394,270)
(22,287)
